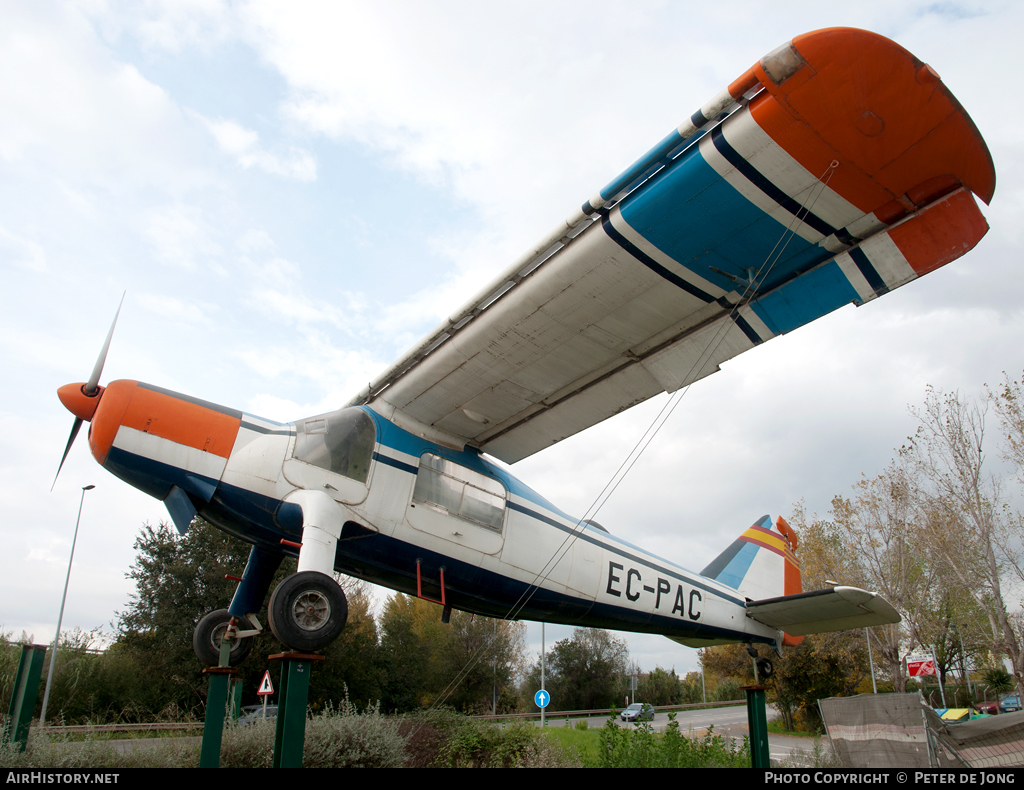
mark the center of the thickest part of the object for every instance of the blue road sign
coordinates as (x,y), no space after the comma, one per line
(541,699)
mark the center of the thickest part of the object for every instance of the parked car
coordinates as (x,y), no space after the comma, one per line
(1006,703)
(638,711)
(254,713)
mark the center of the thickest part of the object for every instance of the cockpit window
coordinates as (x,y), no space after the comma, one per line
(460,492)
(341,442)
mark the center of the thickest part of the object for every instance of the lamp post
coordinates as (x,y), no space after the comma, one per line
(871,662)
(60,617)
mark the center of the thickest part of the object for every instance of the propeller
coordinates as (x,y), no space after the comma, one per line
(91,389)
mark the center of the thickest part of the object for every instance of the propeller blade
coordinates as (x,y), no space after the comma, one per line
(94,379)
(71,440)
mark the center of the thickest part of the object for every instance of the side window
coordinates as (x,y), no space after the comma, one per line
(460,492)
(340,442)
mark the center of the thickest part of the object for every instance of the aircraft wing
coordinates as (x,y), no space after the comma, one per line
(820,611)
(834,170)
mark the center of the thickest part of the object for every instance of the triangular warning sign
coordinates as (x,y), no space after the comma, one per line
(266,687)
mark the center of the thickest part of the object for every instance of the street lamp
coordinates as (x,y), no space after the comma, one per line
(60,617)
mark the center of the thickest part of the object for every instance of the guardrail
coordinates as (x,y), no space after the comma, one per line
(72,729)
(570,714)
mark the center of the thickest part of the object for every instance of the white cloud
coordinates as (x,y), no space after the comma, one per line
(72,110)
(182,236)
(21,252)
(243,145)
(168,25)
(192,314)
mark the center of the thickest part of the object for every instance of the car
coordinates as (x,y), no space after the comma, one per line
(988,707)
(638,711)
(1006,703)
(254,713)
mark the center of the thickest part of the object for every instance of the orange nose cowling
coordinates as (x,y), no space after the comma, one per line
(77,402)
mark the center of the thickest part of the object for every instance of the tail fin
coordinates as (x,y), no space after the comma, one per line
(761,563)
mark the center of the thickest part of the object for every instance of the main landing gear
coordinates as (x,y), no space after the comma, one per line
(307,611)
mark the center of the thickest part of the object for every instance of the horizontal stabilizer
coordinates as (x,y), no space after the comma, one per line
(820,611)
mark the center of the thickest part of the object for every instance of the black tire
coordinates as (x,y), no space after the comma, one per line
(208,636)
(307,611)
(764,668)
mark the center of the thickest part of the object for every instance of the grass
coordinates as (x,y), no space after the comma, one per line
(585,744)
(775,726)
(615,746)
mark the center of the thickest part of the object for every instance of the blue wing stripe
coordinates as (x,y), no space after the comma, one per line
(652,264)
(761,182)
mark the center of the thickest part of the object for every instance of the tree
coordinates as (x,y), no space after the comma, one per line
(1009,404)
(460,663)
(587,671)
(881,530)
(660,688)
(969,526)
(473,659)
(403,655)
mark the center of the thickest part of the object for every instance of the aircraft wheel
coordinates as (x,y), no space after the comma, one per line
(307,611)
(209,634)
(764,668)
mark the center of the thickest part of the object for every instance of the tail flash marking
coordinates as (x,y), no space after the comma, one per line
(767,539)
(793,583)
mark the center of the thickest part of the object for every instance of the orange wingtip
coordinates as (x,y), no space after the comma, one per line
(861,99)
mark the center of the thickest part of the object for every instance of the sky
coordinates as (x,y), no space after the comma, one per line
(293,194)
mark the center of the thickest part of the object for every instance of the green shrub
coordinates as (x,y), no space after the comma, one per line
(480,745)
(335,738)
(445,739)
(643,748)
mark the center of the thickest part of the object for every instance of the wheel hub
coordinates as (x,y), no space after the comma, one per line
(312,610)
(217,637)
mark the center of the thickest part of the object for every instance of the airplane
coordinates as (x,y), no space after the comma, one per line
(834,170)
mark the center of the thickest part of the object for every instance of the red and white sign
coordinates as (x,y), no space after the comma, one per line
(920,667)
(266,687)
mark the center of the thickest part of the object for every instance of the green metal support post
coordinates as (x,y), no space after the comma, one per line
(293,695)
(23,697)
(216,706)
(757,720)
